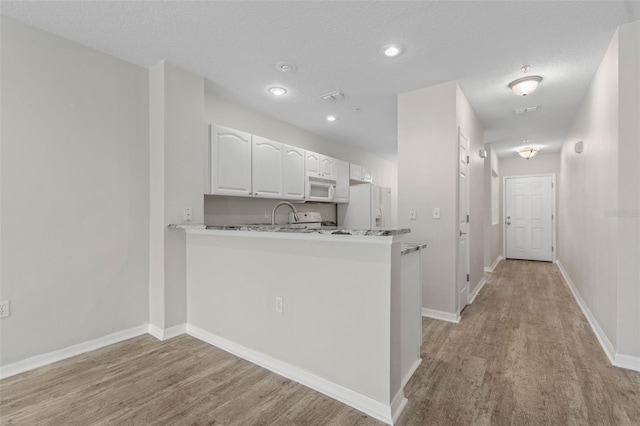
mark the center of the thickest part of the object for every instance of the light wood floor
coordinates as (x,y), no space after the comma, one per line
(523,354)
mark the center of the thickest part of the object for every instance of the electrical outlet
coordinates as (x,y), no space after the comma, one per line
(436,212)
(187,214)
(4,309)
(412,214)
(279,304)
(266,214)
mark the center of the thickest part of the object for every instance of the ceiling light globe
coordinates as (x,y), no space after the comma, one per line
(525,85)
(331,118)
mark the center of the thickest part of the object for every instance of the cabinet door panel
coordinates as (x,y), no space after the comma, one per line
(342,181)
(293,173)
(327,168)
(312,163)
(267,168)
(230,162)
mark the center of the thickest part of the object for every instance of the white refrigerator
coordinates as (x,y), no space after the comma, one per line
(369,207)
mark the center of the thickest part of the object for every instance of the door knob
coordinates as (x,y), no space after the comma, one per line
(508,223)
(462,233)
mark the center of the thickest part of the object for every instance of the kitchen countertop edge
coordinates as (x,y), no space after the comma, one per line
(286,229)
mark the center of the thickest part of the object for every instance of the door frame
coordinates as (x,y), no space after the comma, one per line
(554,250)
(458,230)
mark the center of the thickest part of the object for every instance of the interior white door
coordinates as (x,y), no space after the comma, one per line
(529,218)
(463,221)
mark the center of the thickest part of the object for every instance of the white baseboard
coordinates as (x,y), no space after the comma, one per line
(167,333)
(475,292)
(627,361)
(374,408)
(70,351)
(494,265)
(602,338)
(441,315)
(616,359)
(412,370)
(397,405)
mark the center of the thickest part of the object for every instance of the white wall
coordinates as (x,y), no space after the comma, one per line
(75,193)
(470,126)
(493,232)
(599,236)
(220,110)
(177,181)
(628,191)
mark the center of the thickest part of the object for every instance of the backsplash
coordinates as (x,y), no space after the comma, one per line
(222,210)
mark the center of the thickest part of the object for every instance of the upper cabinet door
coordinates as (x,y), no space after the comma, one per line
(327,167)
(342,181)
(366,175)
(293,173)
(312,163)
(267,168)
(355,172)
(230,161)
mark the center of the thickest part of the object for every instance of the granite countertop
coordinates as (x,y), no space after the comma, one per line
(324,230)
(411,247)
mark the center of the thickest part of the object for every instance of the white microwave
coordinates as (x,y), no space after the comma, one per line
(319,190)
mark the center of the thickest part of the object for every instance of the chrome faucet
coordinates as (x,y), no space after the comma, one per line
(273,213)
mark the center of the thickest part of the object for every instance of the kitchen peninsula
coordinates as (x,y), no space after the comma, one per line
(319,306)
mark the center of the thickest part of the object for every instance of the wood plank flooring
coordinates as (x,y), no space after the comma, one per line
(523,354)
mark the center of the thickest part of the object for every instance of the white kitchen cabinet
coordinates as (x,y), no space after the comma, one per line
(267,161)
(312,163)
(328,168)
(359,174)
(230,161)
(342,181)
(366,175)
(293,170)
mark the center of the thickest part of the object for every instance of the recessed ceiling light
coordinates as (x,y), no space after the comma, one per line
(331,118)
(277,91)
(286,67)
(391,50)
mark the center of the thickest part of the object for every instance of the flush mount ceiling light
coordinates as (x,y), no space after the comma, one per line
(331,118)
(525,85)
(277,91)
(528,153)
(391,50)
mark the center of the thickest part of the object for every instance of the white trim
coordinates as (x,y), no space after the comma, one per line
(397,405)
(441,315)
(167,333)
(494,265)
(618,360)
(374,408)
(554,243)
(475,292)
(412,370)
(602,338)
(71,351)
(627,361)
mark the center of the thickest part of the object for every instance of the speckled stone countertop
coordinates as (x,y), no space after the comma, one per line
(325,230)
(411,247)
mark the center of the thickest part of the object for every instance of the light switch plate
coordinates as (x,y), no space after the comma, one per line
(436,212)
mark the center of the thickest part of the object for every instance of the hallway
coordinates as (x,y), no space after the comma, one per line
(523,354)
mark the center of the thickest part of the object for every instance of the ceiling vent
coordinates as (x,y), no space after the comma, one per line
(333,96)
(525,110)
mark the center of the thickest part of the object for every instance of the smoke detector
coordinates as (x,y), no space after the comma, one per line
(333,96)
(286,67)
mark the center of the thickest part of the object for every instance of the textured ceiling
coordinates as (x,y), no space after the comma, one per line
(336,46)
